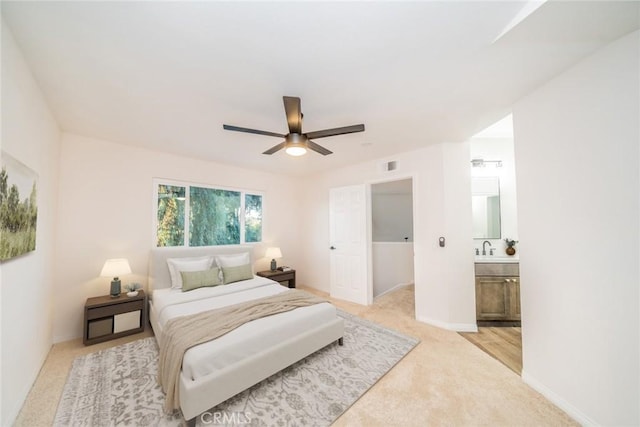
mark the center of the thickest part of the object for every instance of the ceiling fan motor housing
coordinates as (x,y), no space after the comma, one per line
(296,138)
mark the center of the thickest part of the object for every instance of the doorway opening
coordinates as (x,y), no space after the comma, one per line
(495,231)
(392,259)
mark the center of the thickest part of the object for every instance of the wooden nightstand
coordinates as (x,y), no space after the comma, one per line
(280,276)
(107,318)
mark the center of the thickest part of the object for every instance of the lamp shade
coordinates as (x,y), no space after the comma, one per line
(273,253)
(115,267)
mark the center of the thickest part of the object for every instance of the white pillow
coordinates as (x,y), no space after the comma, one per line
(233,260)
(176,265)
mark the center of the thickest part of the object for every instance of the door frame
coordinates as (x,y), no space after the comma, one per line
(368,184)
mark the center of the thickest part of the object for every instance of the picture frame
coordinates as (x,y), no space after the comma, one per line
(18,208)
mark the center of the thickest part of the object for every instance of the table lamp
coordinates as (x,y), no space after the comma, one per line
(273,253)
(114,268)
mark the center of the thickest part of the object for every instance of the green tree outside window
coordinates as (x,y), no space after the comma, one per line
(252,218)
(171,200)
(214,217)
(207,216)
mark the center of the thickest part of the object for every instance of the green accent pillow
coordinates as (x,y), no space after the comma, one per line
(235,274)
(199,279)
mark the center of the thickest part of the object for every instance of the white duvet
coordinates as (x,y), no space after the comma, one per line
(244,341)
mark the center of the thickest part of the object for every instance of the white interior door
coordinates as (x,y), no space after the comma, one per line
(348,244)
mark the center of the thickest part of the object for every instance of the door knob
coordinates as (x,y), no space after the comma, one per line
(332,247)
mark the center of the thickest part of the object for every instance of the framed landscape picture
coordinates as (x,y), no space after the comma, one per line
(18,208)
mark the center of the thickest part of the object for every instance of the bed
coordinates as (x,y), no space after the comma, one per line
(214,371)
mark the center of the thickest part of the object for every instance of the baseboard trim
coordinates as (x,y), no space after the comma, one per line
(557,400)
(396,287)
(64,338)
(457,327)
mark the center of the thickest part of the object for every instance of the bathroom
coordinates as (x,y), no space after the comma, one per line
(496,246)
(493,182)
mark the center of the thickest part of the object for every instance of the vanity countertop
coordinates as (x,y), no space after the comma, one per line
(497,259)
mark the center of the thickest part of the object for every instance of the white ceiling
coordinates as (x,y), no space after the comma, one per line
(503,128)
(167,75)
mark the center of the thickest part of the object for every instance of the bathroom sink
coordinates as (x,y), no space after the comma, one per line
(497,258)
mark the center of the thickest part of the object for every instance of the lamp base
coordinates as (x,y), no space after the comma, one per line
(115,288)
(273,265)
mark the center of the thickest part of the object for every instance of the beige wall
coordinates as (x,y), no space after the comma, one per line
(444,283)
(577,155)
(31,135)
(106,211)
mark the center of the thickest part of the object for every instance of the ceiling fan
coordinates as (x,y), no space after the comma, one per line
(295,142)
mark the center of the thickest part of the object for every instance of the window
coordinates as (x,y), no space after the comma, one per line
(252,218)
(170,214)
(196,215)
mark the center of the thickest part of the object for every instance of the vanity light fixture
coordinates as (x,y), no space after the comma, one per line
(480,163)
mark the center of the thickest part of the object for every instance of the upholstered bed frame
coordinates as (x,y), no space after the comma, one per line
(202,394)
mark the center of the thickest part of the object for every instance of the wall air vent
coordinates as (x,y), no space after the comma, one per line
(389,166)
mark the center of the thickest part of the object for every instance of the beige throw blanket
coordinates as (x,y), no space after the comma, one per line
(185,332)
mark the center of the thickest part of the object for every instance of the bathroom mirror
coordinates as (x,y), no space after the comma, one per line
(485,204)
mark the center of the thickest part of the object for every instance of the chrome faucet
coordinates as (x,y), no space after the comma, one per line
(484,250)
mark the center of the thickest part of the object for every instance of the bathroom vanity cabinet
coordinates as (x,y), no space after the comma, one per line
(498,292)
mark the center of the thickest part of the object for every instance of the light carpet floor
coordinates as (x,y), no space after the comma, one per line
(118,386)
(445,380)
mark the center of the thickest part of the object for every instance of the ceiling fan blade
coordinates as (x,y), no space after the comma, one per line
(336,131)
(275,148)
(294,113)
(317,148)
(257,132)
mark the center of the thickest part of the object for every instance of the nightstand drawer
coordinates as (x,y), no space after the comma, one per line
(100,328)
(127,321)
(98,312)
(286,276)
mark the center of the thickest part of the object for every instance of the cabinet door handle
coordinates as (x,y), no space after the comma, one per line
(332,247)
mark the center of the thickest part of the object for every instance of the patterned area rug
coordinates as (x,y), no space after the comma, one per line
(117,386)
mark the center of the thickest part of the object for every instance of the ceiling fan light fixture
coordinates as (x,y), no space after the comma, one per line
(296,150)
(296,144)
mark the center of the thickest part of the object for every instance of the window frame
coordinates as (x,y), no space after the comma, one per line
(187,211)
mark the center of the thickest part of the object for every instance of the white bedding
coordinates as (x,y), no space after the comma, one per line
(244,341)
